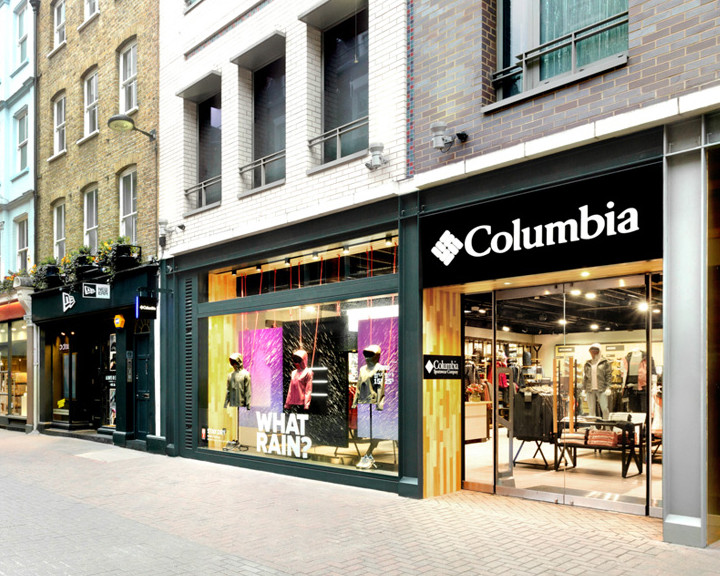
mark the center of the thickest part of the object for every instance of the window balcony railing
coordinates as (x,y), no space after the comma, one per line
(264,171)
(343,140)
(204,193)
(527,61)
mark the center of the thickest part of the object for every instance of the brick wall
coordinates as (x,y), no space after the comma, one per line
(98,160)
(674,49)
(302,196)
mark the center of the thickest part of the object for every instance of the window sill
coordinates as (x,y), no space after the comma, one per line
(57,49)
(260,189)
(338,162)
(189,8)
(590,70)
(56,156)
(23,172)
(88,137)
(87,22)
(130,112)
(195,211)
(19,68)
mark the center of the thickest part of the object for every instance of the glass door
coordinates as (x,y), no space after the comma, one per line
(577,399)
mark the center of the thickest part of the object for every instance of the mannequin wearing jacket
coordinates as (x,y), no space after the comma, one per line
(371,390)
(597,377)
(300,390)
(239,387)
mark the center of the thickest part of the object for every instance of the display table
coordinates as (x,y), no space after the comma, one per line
(477,424)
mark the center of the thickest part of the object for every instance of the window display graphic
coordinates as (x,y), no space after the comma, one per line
(238,394)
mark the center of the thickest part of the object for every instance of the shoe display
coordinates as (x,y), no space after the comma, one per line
(364,463)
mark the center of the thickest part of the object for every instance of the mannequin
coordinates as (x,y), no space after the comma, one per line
(635,379)
(597,377)
(371,390)
(300,390)
(239,391)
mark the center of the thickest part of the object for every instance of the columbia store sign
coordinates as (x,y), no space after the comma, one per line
(605,220)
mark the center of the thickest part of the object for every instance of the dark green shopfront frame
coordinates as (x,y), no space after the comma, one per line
(181,313)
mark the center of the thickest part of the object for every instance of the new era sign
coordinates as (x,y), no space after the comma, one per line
(595,222)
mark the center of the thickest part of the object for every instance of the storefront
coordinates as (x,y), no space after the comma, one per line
(564,326)
(96,361)
(16,391)
(287,356)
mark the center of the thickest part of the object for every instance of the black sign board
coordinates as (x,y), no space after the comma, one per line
(442,367)
(598,221)
(145,307)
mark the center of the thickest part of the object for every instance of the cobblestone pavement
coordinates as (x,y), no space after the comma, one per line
(75,507)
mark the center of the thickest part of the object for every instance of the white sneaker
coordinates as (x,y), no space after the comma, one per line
(364,463)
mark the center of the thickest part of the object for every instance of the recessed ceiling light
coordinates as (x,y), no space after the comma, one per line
(594,327)
(576,292)
(656,311)
(507,283)
(562,321)
(590,295)
(643,307)
(585,274)
(506,328)
(607,327)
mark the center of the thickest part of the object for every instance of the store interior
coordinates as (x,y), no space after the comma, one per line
(560,435)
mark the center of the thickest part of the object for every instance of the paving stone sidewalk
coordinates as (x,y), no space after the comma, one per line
(73,507)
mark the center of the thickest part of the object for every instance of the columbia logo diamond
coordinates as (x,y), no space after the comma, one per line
(447,247)
(429,367)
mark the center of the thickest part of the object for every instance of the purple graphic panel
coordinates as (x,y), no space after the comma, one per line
(262,357)
(382,332)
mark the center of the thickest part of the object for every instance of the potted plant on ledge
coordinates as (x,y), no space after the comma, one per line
(46,274)
(120,254)
(79,264)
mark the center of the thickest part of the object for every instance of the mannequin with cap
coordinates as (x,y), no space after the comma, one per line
(370,390)
(238,394)
(597,377)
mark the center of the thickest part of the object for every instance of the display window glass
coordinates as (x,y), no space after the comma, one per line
(314,383)
(13,368)
(354,259)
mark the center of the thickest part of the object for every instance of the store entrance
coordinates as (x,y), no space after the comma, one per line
(562,400)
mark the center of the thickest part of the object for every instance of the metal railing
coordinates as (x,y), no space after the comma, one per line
(528,60)
(332,141)
(204,193)
(266,170)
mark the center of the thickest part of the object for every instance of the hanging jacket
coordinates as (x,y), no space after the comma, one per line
(300,390)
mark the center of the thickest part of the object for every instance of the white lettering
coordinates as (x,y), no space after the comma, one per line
(561,227)
(495,242)
(585,220)
(629,225)
(469,242)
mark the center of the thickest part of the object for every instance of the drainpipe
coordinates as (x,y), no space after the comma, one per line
(36,149)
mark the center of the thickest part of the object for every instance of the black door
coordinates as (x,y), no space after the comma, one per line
(143,367)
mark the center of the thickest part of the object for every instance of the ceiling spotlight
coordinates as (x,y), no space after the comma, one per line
(315,256)
(482,311)
(258,268)
(346,250)
(591,295)
(388,240)
(643,307)
(656,311)
(607,327)
(506,328)
(287,261)
(594,327)
(576,292)
(233,272)
(585,274)
(562,321)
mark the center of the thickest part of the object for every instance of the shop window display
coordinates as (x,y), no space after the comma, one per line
(13,369)
(315,383)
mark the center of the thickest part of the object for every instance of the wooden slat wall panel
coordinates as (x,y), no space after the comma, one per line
(442,332)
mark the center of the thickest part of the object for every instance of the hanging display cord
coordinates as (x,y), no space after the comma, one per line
(317,319)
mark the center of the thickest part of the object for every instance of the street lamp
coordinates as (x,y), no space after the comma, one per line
(123,123)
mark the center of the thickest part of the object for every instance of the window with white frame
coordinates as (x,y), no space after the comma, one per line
(128,204)
(21,128)
(59,22)
(21,228)
(91,8)
(59,231)
(128,78)
(91,103)
(22,33)
(549,42)
(91,219)
(59,124)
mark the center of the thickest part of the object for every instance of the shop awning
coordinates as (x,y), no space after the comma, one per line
(11,311)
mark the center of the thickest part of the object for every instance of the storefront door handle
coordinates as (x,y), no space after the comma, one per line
(145,396)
